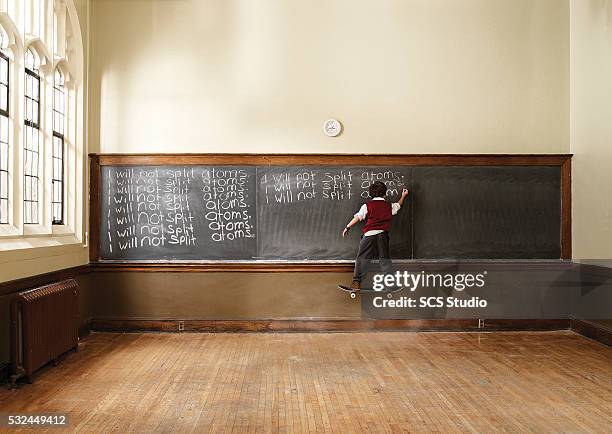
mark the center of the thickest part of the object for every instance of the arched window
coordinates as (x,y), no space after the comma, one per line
(42,151)
(57,179)
(31,181)
(4,133)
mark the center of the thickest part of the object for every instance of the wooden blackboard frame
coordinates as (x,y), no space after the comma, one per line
(97,161)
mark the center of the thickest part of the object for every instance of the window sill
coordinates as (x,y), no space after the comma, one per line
(9,231)
(61,230)
(9,246)
(36,230)
(26,256)
(33,231)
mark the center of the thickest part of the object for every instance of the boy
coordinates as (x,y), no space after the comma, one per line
(374,242)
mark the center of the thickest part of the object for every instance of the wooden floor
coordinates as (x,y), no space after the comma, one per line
(375,382)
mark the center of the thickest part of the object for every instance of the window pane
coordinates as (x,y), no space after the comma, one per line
(3,70)
(4,129)
(59,103)
(27,188)
(3,97)
(28,109)
(3,156)
(27,165)
(3,185)
(3,211)
(35,112)
(27,212)
(57,213)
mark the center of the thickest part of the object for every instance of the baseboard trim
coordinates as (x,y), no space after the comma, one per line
(318,325)
(85,329)
(592,330)
(4,373)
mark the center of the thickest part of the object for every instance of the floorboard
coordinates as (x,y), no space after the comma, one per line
(327,382)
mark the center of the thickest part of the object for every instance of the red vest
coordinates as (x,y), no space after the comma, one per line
(378,216)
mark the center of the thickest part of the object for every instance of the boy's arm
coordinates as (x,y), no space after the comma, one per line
(361,215)
(405,194)
(352,223)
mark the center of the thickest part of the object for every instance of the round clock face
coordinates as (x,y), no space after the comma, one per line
(332,127)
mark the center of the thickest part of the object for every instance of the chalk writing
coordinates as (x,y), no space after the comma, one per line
(178,218)
(225,204)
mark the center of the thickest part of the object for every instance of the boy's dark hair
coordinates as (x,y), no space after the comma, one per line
(378,189)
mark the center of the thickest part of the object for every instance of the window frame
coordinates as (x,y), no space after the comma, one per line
(63,90)
(6,113)
(40,148)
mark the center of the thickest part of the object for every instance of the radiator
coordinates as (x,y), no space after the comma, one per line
(44,323)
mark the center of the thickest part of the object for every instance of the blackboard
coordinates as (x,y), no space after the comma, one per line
(487,212)
(296,213)
(171,212)
(302,210)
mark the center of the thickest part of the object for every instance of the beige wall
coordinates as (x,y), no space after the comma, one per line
(591,127)
(404,76)
(33,261)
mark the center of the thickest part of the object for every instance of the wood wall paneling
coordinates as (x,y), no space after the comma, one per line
(592,330)
(94,208)
(320,325)
(566,209)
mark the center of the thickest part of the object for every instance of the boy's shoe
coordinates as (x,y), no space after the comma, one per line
(355,285)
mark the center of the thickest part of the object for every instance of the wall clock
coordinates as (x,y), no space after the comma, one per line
(332,127)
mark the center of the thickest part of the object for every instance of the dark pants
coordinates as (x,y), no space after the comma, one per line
(372,247)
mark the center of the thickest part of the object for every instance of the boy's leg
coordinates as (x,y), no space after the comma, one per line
(367,251)
(382,244)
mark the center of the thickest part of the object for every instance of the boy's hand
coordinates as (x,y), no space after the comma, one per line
(345,231)
(405,192)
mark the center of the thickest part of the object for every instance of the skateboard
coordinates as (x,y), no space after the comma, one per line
(354,292)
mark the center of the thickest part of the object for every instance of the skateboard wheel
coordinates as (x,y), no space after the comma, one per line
(353,295)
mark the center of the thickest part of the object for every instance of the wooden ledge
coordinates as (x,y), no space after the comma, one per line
(334,159)
(321,267)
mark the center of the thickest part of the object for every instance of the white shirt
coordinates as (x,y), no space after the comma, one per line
(363,211)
